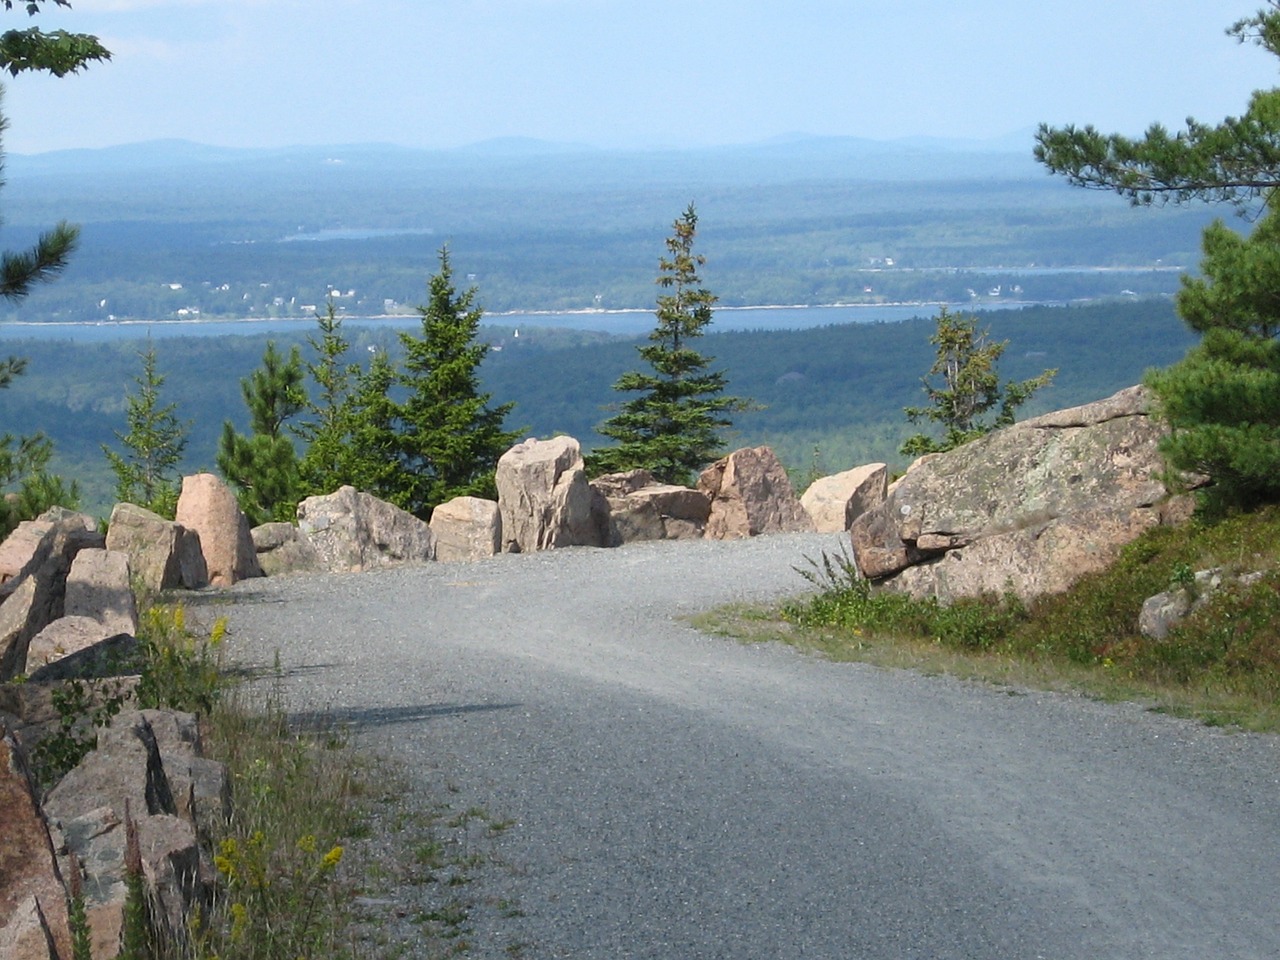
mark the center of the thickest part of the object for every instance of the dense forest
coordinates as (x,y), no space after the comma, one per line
(825,398)
(175,229)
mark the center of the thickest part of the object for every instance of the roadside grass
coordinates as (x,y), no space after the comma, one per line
(327,852)
(1221,665)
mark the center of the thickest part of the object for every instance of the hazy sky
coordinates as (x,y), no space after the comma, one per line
(440,73)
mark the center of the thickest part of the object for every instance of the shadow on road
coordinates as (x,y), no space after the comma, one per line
(373,717)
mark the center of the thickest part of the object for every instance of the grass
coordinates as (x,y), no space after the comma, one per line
(358,864)
(327,853)
(1221,665)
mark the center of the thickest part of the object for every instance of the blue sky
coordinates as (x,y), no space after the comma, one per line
(442,73)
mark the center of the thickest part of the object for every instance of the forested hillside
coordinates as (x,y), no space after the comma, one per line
(834,394)
(178,229)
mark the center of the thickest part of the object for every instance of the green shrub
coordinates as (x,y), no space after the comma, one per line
(847,601)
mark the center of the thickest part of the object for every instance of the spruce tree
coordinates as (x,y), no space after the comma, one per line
(326,431)
(371,462)
(448,436)
(673,427)
(146,471)
(263,467)
(969,388)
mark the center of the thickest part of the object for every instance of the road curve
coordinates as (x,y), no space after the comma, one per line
(683,797)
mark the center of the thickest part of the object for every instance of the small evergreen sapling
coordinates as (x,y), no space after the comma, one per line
(263,467)
(969,389)
(146,472)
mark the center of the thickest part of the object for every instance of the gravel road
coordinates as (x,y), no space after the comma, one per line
(682,797)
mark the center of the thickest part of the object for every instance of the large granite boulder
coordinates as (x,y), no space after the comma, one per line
(98,587)
(545,500)
(640,508)
(283,548)
(37,558)
(750,495)
(467,528)
(70,637)
(26,611)
(1030,508)
(162,554)
(57,532)
(354,531)
(834,502)
(207,506)
(139,770)
(33,906)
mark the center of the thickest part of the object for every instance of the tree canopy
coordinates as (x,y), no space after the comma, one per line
(57,51)
(1236,160)
(1222,400)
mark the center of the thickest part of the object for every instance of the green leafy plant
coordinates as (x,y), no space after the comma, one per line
(82,708)
(77,916)
(847,601)
(180,668)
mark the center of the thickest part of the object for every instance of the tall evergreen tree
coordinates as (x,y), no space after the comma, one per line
(674,426)
(147,470)
(263,466)
(449,438)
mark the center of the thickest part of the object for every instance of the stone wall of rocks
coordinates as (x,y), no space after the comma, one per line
(68,612)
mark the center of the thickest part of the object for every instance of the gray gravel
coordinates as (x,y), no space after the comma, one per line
(683,796)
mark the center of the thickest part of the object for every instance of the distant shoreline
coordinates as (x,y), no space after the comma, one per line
(581,312)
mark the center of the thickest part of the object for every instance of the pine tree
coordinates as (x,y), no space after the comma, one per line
(146,472)
(970,388)
(371,462)
(58,53)
(1222,400)
(26,458)
(674,426)
(323,466)
(449,438)
(1234,161)
(263,467)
